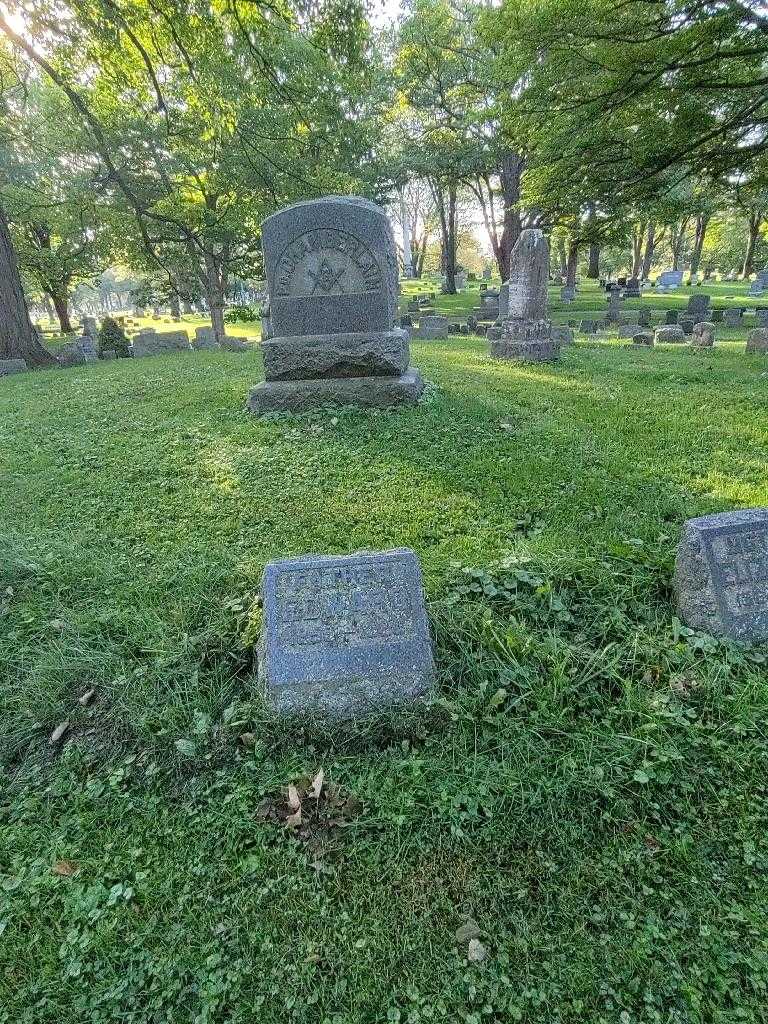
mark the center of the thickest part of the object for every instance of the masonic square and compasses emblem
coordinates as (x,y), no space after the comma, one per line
(327,262)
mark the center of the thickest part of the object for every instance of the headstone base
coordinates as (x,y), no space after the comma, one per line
(371,392)
(526,341)
(379,353)
(525,351)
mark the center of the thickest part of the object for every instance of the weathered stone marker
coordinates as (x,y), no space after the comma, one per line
(330,334)
(757,340)
(526,333)
(703,335)
(721,574)
(344,635)
(9,366)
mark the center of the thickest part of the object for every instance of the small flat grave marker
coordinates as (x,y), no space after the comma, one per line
(344,635)
(721,574)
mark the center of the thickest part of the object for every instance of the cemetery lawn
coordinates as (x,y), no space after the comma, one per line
(586,801)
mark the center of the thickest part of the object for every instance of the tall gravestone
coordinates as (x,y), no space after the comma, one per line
(721,574)
(526,332)
(330,328)
(614,304)
(343,635)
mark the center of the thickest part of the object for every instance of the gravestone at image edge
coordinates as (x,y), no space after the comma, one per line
(721,574)
(344,635)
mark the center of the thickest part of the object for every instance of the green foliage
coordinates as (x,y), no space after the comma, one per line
(588,788)
(242,315)
(112,336)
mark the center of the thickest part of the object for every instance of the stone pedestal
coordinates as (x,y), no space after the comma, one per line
(300,395)
(332,279)
(526,341)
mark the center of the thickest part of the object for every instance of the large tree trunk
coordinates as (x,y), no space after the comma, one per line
(702,221)
(214,283)
(173,302)
(650,248)
(593,272)
(18,339)
(61,305)
(755,220)
(512,166)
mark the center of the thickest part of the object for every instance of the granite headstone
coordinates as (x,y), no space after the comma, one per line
(344,635)
(721,574)
(333,286)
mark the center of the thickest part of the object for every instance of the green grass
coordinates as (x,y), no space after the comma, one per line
(589,787)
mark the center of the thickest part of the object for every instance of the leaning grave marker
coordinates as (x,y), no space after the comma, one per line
(329,334)
(343,635)
(721,574)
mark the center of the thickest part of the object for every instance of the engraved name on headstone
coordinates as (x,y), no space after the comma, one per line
(343,635)
(721,574)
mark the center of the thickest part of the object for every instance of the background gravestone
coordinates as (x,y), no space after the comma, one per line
(343,635)
(333,284)
(9,366)
(721,574)
(526,332)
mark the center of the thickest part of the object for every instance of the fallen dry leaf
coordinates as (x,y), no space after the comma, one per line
(65,868)
(294,800)
(87,697)
(293,820)
(476,952)
(317,785)
(248,739)
(59,732)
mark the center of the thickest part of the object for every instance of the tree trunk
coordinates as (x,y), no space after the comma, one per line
(489,216)
(571,264)
(594,261)
(562,258)
(61,305)
(512,166)
(214,283)
(650,247)
(677,238)
(755,220)
(447,214)
(18,339)
(407,249)
(173,302)
(702,221)
(638,234)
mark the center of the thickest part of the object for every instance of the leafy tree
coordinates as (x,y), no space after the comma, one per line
(206,118)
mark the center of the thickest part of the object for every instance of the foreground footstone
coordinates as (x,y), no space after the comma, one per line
(330,330)
(344,635)
(721,574)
